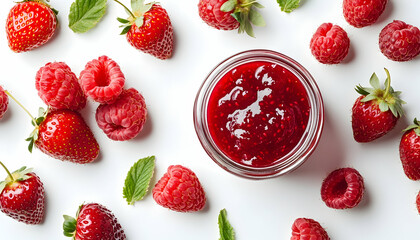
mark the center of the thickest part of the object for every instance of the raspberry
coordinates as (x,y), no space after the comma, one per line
(209,11)
(363,13)
(123,119)
(308,229)
(418,202)
(102,80)
(4,102)
(58,87)
(330,44)
(179,190)
(399,41)
(343,188)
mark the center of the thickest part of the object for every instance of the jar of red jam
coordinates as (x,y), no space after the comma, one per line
(259,114)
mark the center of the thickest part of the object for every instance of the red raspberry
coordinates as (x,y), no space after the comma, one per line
(330,44)
(209,11)
(4,102)
(179,190)
(58,87)
(418,202)
(343,188)
(399,41)
(308,229)
(102,80)
(360,13)
(123,119)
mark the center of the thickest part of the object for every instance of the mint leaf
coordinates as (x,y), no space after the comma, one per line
(225,229)
(288,5)
(85,14)
(138,179)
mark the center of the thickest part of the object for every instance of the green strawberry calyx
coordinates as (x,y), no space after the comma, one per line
(70,223)
(415,126)
(385,97)
(42,113)
(17,176)
(136,15)
(45,2)
(246,13)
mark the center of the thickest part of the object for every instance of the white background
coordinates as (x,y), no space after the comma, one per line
(256,209)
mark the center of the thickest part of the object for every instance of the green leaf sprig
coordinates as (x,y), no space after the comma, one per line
(225,229)
(85,14)
(138,179)
(288,5)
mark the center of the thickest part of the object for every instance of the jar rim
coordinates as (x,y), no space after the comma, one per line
(309,140)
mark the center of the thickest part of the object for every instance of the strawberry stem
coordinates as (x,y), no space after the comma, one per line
(14,99)
(388,86)
(128,10)
(8,173)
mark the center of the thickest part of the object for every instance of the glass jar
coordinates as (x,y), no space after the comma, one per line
(308,140)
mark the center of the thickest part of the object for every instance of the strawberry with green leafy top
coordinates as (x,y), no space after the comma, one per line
(22,196)
(376,112)
(231,14)
(30,24)
(148,28)
(93,222)
(410,151)
(62,134)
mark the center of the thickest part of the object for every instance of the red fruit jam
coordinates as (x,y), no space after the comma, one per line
(257,113)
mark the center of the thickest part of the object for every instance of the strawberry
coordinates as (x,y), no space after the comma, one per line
(93,222)
(231,14)
(62,134)
(22,196)
(410,151)
(376,112)
(148,29)
(30,24)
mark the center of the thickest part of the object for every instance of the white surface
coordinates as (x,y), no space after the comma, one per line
(256,209)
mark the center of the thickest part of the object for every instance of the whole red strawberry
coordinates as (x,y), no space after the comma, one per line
(231,14)
(64,135)
(30,24)
(410,151)
(400,41)
(363,13)
(308,229)
(149,29)
(4,102)
(58,87)
(93,222)
(342,188)
(22,196)
(125,118)
(330,44)
(180,190)
(377,111)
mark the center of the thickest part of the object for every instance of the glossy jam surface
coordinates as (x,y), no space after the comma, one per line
(257,113)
